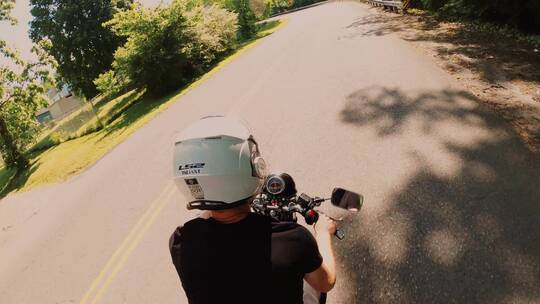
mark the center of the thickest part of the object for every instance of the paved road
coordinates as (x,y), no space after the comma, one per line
(452,203)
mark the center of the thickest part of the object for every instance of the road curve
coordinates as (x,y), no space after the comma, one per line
(452,197)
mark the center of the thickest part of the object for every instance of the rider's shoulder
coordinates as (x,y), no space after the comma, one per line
(184,229)
(292,233)
(191,225)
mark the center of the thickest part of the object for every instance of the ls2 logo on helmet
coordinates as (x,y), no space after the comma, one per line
(191,168)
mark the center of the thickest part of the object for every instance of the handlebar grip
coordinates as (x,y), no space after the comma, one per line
(311,217)
(339,234)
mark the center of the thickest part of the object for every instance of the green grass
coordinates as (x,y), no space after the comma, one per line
(84,121)
(123,117)
(268,27)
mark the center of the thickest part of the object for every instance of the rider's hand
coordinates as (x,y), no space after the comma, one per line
(325,224)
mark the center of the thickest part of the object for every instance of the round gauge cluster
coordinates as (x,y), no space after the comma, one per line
(275,184)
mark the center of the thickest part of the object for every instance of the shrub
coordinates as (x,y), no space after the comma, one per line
(167,46)
(278,6)
(246,19)
(108,84)
(213,30)
(258,8)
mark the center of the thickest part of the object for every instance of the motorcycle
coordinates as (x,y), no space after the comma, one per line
(279,200)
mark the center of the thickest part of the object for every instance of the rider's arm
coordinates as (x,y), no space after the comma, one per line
(324,278)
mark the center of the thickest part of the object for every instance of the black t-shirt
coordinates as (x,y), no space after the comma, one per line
(251,261)
(294,253)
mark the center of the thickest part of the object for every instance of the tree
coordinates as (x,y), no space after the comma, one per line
(246,19)
(22,92)
(5,9)
(166,47)
(82,47)
(153,55)
(243,8)
(108,83)
(212,30)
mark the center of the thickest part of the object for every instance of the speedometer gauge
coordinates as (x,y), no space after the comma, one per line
(275,184)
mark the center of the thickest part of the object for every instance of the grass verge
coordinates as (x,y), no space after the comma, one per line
(72,156)
(84,121)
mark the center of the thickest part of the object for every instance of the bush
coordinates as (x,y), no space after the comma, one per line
(246,19)
(167,46)
(108,84)
(213,30)
(258,7)
(278,6)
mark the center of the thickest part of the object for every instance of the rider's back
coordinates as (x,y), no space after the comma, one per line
(251,261)
(223,263)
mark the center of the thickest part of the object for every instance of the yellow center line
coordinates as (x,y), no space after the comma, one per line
(118,256)
(130,249)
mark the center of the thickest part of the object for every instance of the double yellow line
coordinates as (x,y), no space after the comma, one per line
(121,255)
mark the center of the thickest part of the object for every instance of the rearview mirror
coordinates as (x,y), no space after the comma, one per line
(346,199)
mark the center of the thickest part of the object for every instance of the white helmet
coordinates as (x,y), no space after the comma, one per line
(217,164)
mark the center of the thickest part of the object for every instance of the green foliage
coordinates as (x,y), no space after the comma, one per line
(258,7)
(300,3)
(518,14)
(432,4)
(212,31)
(246,19)
(108,84)
(82,47)
(279,6)
(167,46)
(22,93)
(5,10)
(153,55)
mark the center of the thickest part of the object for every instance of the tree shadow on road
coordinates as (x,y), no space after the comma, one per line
(375,24)
(391,108)
(471,235)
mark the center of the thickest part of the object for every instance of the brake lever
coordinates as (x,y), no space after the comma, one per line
(332,218)
(339,234)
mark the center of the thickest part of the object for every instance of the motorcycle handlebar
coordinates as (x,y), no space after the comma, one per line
(302,204)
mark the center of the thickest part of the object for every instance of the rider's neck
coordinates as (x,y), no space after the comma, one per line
(233,215)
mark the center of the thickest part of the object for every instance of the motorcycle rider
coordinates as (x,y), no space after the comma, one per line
(234,255)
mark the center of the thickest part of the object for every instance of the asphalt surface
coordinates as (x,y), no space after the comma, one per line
(452,197)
